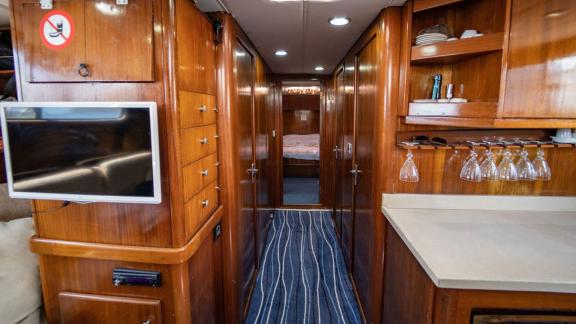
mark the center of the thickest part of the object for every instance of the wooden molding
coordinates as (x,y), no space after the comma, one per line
(139,254)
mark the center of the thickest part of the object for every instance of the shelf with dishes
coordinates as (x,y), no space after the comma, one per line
(449,52)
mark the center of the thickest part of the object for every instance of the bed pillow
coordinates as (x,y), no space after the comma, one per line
(20,292)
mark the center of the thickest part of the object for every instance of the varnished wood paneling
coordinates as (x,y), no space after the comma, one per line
(206,290)
(198,142)
(84,308)
(408,292)
(119,56)
(140,254)
(541,60)
(199,175)
(196,109)
(301,102)
(301,122)
(42,63)
(199,208)
(196,71)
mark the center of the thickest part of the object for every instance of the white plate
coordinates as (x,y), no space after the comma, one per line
(423,38)
(429,43)
(564,140)
(431,35)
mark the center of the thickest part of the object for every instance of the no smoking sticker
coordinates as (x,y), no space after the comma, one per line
(57,29)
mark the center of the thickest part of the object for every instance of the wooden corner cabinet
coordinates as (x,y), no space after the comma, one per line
(514,76)
(410,297)
(131,53)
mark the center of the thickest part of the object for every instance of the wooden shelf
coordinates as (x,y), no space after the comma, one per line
(422,5)
(6,72)
(465,109)
(467,122)
(458,50)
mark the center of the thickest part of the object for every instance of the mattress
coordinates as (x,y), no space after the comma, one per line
(302,147)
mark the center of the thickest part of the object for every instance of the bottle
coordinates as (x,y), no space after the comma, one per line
(437,86)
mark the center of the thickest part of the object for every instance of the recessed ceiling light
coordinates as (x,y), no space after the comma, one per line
(281,52)
(339,21)
(319,68)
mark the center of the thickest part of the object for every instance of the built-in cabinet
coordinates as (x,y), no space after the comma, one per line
(514,76)
(107,42)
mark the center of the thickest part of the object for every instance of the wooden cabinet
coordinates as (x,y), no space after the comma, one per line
(410,297)
(86,308)
(541,75)
(114,42)
(518,75)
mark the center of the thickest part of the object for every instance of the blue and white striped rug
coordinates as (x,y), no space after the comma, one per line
(303,278)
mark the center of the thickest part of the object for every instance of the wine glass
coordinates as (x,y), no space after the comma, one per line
(525,167)
(488,167)
(409,171)
(541,169)
(506,169)
(471,169)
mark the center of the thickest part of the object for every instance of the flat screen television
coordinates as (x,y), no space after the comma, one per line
(82,151)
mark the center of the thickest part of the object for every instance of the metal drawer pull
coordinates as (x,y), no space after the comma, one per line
(204,140)
(216,136)
(147,322)
(83,70)
(215,109)
(205,203)
(205,172)
(218,188)
(203,109)
(217,164)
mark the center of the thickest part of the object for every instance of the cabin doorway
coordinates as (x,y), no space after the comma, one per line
(301,142)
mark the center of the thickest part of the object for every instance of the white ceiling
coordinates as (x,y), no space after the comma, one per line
(301,27)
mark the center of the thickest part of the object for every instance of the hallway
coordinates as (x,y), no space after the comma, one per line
(303,278)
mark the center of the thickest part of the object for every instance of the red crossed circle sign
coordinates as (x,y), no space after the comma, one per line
(57,29)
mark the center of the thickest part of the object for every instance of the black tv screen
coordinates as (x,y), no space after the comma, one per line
(82,151)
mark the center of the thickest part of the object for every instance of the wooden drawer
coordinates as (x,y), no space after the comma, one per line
(196,109)
(86,308)
(200,174)
(198,142)
(200,207)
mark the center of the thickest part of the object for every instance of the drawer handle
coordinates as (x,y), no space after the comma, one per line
(215,109)
(218,188)
(205,203)
(204,140)
(83,70)
(216,136)
(203,109)
(147,322)
(205,172)
(217,164)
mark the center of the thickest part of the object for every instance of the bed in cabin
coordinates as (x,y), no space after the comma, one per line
(301,155)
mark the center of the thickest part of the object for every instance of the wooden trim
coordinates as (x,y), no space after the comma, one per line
(126,253)
(505,57)
(422,5)
(458,50)
(462,122)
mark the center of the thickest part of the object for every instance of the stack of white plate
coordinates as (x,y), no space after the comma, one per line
(430,38)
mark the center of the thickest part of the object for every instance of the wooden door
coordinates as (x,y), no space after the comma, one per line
(540,80)
(206,282)
(87,308)
(42,63)
(363,208)
(119,40)
(244,64)
(338,167)
(347,186)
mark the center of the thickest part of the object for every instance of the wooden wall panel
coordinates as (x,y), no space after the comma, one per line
(301,102)
(439,176)
(301,122)
(196,71)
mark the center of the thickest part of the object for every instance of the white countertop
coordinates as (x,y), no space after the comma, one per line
(489,242)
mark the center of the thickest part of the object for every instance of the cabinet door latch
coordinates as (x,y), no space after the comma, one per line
(46,4)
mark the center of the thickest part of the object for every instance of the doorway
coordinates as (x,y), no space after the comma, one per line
(301,129)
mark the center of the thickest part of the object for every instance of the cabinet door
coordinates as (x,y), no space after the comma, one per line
(541,76)
(119,40)
(86,308)
(206,286)
(45,64)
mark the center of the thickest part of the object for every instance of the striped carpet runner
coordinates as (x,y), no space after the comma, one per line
(302,278)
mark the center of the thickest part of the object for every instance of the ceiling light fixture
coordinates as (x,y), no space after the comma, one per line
(281,52)
(319,68)
(339,21)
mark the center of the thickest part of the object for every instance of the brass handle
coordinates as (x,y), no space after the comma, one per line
(205,203)
(205,172)
(147,322)
(215,109)
(203,109)
(83,70)
(204,140)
